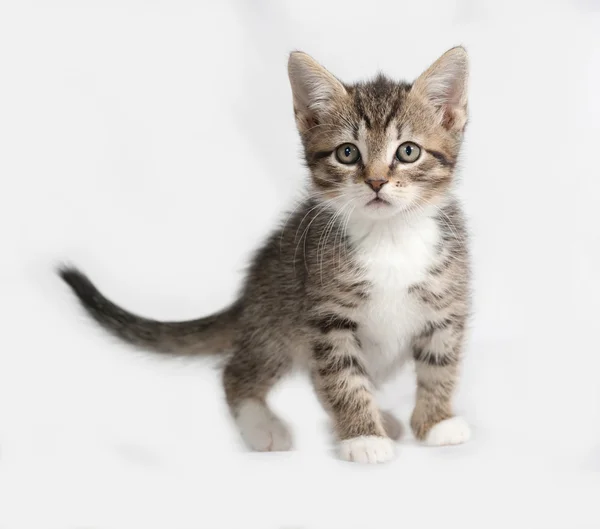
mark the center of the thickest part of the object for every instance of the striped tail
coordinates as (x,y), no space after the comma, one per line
(210,335)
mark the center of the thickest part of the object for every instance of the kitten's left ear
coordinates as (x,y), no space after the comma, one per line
(444,85)
(314,89)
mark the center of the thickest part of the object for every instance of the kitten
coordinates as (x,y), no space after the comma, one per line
(371,270)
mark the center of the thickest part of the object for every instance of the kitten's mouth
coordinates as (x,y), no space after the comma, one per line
(378,202)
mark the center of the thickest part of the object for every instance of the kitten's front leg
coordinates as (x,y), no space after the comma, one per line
(344,389)
(437,351)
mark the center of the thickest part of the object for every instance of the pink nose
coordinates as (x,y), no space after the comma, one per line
(376,185)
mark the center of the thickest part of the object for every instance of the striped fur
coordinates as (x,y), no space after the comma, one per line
(356,281)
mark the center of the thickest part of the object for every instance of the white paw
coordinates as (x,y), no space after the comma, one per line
(261,429)
(452,431)
(367,449)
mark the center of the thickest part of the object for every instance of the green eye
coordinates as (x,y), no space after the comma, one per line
(408,152)
(347,153)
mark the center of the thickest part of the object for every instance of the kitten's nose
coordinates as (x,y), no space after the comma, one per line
(376,185)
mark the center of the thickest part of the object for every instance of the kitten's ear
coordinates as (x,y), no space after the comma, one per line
(444,85)
(313,88)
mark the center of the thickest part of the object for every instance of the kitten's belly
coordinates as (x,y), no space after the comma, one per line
(386,328)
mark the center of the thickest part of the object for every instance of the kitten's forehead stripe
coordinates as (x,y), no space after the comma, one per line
(392,113)
(361,109)
(379,101)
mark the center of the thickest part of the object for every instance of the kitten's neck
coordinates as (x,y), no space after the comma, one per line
(361,226)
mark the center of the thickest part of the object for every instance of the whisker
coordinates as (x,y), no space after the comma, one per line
(338,229)
(324,205)
(300,203)
(345,234)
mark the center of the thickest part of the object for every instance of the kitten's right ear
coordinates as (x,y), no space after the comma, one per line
(313,88)
(444,86)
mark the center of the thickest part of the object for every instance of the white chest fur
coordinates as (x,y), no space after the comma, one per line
(394,254)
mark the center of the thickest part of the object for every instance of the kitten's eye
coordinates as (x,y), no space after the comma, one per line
(408,152)
(347,153)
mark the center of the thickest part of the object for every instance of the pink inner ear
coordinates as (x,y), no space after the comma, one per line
(454,117)
(305,120)
(448,97)
(444,85)
(449,116)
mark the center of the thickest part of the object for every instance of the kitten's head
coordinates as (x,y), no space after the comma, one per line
(381,147)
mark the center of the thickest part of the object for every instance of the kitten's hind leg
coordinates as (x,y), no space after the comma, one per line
(247,378)
(393,427)
(260,428)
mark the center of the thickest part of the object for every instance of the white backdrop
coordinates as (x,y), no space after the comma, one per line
(153,145)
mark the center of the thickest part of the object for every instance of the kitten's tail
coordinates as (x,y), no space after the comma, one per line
(210,335)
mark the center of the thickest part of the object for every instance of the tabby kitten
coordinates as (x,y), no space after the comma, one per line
(370,271)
